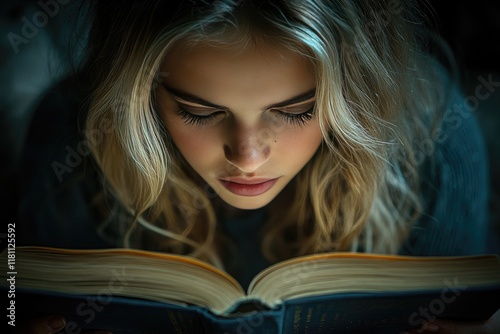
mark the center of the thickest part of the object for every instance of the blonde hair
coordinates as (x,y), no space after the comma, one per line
(378,93)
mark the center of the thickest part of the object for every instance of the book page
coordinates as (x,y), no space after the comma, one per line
(356,272)
(145,275)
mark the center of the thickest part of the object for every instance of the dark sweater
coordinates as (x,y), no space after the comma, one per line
(54,210)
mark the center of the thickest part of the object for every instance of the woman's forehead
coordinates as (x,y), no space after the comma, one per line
(215,72)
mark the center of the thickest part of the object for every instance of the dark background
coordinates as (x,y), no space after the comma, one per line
(472,29)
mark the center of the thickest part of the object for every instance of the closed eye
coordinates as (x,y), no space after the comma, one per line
(298,113)
(194,113)
(199,119)
(295,118)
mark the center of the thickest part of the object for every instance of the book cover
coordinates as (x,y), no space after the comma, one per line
(378,313)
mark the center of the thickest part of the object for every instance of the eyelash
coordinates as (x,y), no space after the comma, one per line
(191,119)
(294,119)
(297,119)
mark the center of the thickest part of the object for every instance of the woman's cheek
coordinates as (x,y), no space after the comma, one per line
(302,141)
(197,146)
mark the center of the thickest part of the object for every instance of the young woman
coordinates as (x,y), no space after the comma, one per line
(248,132)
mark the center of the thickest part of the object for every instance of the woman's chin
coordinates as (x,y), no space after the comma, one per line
(246,203)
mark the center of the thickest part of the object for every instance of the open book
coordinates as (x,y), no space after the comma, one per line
(350,292)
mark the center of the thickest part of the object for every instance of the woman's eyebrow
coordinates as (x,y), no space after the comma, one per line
(195,99)
(296,99)
(191,98)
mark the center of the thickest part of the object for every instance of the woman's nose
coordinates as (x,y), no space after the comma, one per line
(247,151)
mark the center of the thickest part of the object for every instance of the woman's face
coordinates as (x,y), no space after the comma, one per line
(244,120)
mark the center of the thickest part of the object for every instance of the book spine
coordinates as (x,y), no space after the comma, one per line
(258,322)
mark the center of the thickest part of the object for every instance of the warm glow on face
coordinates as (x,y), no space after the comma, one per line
(244,122)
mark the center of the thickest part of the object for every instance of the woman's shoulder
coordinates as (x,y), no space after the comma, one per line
(454,184)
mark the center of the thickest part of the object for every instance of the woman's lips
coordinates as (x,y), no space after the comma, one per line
(248,187)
